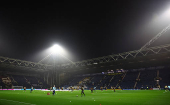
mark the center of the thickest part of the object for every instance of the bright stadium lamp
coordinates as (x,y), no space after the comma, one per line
(56,49)
(166,14)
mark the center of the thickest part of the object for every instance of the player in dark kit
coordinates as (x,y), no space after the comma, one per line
(82,91)
(114,89)
(25,89)
(101,88)
(91,90)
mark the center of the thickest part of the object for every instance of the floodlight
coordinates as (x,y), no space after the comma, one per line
(167,13)
(56,49)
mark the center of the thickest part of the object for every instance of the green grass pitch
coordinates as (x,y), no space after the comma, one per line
(124,97)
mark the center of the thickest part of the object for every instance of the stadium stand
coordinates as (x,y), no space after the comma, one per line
(21,81)
(1,83)
(96,80)
(116,80)
(129,80)
(106,81)
(7,81)
(144,79)
(164,77)
(75,81)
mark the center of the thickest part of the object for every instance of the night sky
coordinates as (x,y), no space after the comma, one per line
(86,30)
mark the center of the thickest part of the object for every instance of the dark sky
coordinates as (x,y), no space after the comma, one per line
(86,30)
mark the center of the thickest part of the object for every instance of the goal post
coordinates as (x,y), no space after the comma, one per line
(17,87)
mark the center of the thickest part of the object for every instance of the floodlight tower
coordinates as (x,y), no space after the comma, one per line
(56,49)
(155,37)
(55,52)
(166,14)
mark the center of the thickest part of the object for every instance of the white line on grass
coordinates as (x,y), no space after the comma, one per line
(9,100)
(18,102)
(21,102)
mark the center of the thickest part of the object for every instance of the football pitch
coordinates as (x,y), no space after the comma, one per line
(109,97)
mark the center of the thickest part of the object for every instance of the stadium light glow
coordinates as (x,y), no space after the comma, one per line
(56,49)
(161,18)
(167,13)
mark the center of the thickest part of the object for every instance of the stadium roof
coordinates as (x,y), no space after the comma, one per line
(159,55)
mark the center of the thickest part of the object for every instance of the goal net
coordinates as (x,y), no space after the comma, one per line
(17,87)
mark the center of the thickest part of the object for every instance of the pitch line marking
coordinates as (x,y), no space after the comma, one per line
(18,102)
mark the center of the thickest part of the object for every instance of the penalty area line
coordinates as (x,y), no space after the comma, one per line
(18,102)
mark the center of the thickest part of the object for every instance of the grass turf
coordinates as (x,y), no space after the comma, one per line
(124,97)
